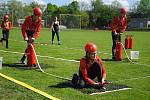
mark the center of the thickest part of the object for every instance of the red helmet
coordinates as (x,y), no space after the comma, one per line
(123,10)
(6,17)
(37,11)
(90,47)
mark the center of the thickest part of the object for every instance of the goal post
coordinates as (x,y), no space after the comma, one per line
(70,21)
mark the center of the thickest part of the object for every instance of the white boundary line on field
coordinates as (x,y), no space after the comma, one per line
(44,56)
(98,52)
(131,79)
(67,47)
(110,91)
(78,62)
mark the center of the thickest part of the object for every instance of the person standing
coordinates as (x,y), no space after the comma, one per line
(118,26)
(6,26)
(30,31)
(55,30)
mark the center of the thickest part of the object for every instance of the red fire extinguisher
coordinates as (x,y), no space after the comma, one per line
(128,42)
(31,60)
(118,51)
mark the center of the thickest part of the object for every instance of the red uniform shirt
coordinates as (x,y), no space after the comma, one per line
(32,26)
(85,66)
(6,25)
(119,24)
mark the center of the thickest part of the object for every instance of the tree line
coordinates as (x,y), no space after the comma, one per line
(97,15)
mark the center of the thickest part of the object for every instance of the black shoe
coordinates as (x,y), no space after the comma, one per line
(34,65)
(74,80)
(22,62)
(59,43)
(113,58)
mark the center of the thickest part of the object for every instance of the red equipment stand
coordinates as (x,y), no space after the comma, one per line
(128,42)
(31,60)
(118,51)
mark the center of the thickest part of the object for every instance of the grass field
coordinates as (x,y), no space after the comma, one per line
(72,48)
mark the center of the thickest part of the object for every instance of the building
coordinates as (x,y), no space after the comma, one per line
(139,23)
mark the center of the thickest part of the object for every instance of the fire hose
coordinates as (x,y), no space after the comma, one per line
(43,70)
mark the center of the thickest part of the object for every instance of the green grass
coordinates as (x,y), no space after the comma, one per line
(72,48)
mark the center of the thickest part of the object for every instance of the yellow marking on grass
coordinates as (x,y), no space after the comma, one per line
(29,87)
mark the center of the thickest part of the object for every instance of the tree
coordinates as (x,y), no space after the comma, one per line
(16,10)
(51,8)
(143,9)
(84,6)
(115,6)
(63,10)
(97,5)
(100,14)
(84,19)
(95,13)
(73,8)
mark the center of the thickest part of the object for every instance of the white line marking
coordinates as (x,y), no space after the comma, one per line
(11,52)
(44,56)
(65,47)
(76,62)
(131,79)
(110,91)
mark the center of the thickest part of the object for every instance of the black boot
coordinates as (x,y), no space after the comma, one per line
(7,44)
(75,80)
(22,61)
(113,53)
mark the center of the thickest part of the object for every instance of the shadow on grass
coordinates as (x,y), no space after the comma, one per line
(65,84)
(107,59)
(123,60)
(89,90)
(14,65)
(25,67)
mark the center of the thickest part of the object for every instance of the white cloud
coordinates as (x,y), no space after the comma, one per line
(124,3)
(108,1)
(29,1)
(39,2)
(85,1)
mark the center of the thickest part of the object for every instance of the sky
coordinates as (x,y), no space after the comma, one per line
(125,3)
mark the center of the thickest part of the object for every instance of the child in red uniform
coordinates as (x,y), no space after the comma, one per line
(6,26)
(118,26)
(91,66)
(30,31)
